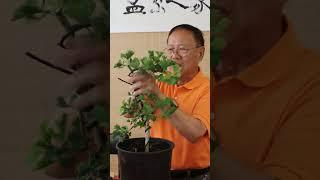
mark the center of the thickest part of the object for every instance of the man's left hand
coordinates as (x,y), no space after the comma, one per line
(143,83)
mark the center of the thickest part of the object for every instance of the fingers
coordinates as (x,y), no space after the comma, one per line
(89,79)
(137,77)
(94,96)
(73,59)
(139,92)
(94,73)
(136,86)
(142,87)
(142,84)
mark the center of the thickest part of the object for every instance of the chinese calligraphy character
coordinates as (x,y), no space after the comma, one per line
(158,7)
(198,8)
(179,4)
(134,8)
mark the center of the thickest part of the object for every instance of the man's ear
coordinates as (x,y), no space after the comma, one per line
(201,52)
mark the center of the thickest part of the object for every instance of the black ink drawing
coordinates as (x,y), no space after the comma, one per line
(134,8)
(179,4)
(198,8)
(159,7)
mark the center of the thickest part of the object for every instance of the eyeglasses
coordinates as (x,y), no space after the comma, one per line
(181,51)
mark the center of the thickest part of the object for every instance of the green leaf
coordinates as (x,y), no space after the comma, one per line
(122,132)
(79,10)
(34,156)
(147,109)
(140,97)
(218,43)
(164,64)
(29,10)
(134,63)
(129,54)
(61,102)
(169,112)
(76,138)
(221,25)
(61,126)
(46,133)
(53,5)
(119,64)
(102,115)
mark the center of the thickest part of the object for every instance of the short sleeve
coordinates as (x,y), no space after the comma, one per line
(201,110)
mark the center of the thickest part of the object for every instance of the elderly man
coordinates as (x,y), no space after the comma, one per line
(266,95)
(189,126)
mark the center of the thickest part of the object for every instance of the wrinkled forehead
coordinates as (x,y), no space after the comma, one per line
(181,37)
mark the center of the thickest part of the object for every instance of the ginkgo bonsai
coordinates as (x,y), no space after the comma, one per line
(137,155)
(142,109)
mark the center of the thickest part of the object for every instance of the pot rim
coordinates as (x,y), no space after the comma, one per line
(171,144)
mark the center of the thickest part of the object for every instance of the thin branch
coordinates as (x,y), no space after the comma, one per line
(124,81)
(34,57)
(73,30)
(63,20)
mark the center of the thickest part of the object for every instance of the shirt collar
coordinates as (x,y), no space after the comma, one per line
(275,63)
(196,81)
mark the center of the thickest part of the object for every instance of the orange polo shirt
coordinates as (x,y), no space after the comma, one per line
(268,116)
(192,98)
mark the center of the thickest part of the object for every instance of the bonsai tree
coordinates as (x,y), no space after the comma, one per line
(84,130)
(142,110)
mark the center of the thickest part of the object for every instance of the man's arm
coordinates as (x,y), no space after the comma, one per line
(189,126)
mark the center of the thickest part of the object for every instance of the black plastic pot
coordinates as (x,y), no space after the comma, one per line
(140,165)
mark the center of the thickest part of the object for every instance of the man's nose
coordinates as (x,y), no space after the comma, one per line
(175,56)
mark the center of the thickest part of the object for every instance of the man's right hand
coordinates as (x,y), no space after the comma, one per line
(89,61)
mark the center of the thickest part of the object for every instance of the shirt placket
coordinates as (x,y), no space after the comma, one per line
(175,94)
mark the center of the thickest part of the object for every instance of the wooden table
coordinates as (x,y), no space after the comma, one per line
(114,165)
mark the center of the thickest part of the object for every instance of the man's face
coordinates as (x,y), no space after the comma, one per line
(185,51)
(249,17)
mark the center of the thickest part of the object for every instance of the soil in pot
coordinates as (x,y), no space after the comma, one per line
(135,164)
